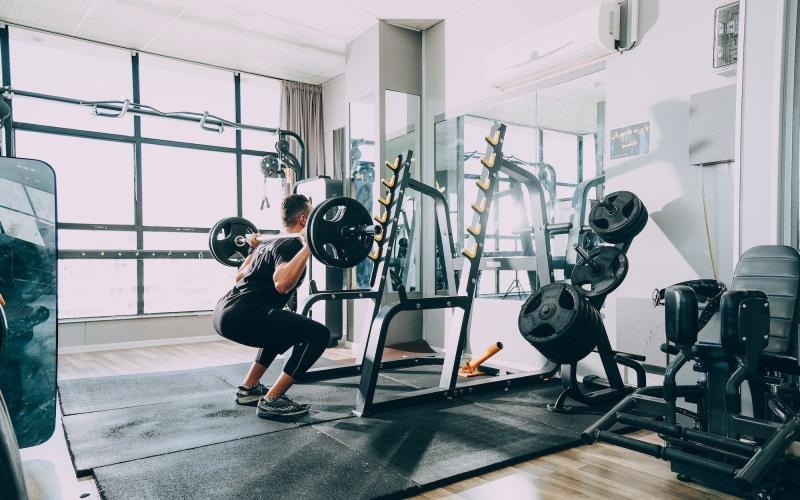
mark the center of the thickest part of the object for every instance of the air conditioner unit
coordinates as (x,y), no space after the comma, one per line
(571,43)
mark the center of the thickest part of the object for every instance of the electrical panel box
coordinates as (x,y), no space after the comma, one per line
(712,126)
(726,36)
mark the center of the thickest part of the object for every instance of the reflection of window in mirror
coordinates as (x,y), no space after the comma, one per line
(402,133)
(555,132)
(339,153)
(402,115)
(363,154)
(29,289)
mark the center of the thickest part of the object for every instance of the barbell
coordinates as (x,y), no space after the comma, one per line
(339,231)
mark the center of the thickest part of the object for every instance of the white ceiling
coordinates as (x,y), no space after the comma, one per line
(301,40)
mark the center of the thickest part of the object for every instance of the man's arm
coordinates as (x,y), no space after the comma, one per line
(287,274)
(243,268)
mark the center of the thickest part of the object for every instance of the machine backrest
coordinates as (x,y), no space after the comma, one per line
(775,270)
(680,320)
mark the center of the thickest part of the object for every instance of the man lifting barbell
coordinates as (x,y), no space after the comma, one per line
(252,313)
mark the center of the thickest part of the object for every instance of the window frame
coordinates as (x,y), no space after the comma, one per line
(137,140)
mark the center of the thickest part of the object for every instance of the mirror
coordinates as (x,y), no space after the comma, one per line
(402,116)
(362,168)
(339,153)
(28,286)
(555,132)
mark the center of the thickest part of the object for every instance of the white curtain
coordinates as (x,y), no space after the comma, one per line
(301,112)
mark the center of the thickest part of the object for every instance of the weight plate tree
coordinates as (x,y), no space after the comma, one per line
(600,271)
(561,323)
(618,217)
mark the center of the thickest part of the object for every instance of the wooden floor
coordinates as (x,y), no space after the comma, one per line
(175,357)
(599,471)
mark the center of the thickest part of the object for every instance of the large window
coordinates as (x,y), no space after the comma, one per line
(59,66)
(169,85)
(263,98)
(187,187)
(95,178)
(138,195)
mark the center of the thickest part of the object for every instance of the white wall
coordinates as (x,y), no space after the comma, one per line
(384,57)
(131,332)
(433,78)
(759,148)
(652,83)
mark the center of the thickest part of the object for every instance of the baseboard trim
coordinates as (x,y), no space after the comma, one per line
(136,344)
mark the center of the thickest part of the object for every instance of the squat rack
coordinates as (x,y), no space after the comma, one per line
(381,257)
(459,299)
(536,261)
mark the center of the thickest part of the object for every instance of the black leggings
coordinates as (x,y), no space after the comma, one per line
(274,331)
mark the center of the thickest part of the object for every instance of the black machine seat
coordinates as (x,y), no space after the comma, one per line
(710,350)
(775,270)
(681,315)
(783,363)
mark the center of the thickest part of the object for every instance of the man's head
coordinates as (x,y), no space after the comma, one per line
(294,210)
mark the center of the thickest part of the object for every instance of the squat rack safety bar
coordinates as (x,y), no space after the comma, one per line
(207,121)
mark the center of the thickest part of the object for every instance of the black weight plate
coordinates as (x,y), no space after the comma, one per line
(612,267)
(222,240)
(594,329)
(633,230)
(582,340)
(613,217)
(326,240)
(548,314)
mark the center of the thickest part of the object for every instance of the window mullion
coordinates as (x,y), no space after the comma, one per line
(137,180)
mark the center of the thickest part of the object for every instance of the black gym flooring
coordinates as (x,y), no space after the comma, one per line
(179,435)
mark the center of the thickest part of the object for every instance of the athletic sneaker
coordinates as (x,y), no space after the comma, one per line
(250,394)
(280,406)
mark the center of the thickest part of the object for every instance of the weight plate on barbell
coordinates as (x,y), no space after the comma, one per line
(222,240)
(618,217)
(610,269)
(326,237)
